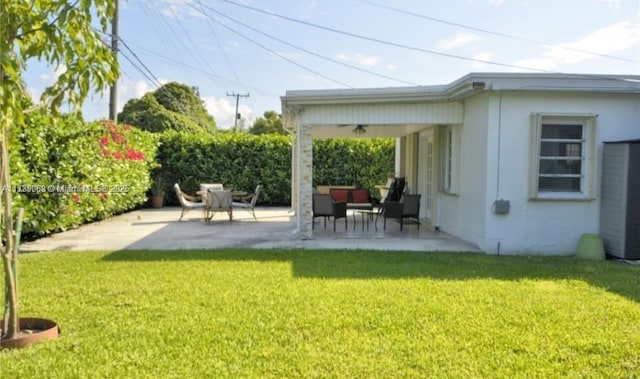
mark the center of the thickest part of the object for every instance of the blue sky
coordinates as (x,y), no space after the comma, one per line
(279,45)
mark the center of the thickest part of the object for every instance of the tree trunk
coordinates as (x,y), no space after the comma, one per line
(9,256)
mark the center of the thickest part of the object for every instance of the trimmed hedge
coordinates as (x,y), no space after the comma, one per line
(363,162)
(242,161)
(237,160)
(66,172)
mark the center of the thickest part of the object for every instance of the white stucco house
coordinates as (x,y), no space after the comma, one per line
(510,162)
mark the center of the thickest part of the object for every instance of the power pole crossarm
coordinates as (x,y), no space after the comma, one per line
(237,96)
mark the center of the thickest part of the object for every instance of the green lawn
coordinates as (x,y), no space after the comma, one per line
(343,314)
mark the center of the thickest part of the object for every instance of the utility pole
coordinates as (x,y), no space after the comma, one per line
(113,93)
(237,96)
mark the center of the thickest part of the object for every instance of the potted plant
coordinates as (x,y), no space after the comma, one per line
(157,192)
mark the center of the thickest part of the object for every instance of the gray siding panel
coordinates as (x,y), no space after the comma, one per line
(614,198)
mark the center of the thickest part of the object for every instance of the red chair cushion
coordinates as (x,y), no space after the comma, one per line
(360,196)
(339,195)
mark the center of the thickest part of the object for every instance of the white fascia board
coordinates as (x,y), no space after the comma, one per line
(366,95)
(559,82)
(464,87)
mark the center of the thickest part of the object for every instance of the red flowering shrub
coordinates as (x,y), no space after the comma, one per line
(81,171)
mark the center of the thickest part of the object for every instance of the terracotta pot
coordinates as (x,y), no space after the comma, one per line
(32,330)
(157,201)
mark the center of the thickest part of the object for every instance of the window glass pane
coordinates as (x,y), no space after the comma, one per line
(560,166)
(560,158)
(560,149)
(546,184)
(550,131)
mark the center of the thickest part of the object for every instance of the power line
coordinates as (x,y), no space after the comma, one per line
(504,35)
(309,51)
(380,41)
(279,55)
(222,50)
(160,24)
(199,70)
(172,34)
(186,33)
(135,65)
(157,81)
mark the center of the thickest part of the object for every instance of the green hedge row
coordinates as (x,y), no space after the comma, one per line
(242,161)
(66,172)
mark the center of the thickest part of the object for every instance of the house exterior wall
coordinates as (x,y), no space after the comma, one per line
(462,213)
(542,226)
(491,115)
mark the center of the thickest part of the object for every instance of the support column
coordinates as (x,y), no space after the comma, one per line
(305,177)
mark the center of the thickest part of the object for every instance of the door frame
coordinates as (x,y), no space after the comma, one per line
(429,191)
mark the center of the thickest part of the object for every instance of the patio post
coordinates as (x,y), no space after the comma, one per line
(304,179)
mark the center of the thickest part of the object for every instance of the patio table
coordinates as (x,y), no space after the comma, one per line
(365,215)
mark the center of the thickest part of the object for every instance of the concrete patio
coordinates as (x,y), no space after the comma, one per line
(160,229)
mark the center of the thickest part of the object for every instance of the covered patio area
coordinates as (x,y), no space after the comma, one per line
(159,229)
(417,117)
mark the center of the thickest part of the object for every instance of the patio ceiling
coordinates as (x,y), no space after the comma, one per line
(371,130)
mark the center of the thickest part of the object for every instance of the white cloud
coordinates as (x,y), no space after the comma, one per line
(223,110)
(496,3)
(284,54)
(607,40)
(363,60)
(486,56)
(48,78)
(177,9)
(305,77)
(539,63)
(130,89)
(616,5)
(456,41)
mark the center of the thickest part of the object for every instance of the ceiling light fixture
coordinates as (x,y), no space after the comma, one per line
(359,129)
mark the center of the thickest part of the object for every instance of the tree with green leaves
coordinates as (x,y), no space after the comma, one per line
(66,35)
(174,106)
(270,123)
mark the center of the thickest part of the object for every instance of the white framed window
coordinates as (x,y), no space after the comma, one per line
(562,159)
(450,153)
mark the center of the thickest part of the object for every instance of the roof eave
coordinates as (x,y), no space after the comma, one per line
(469,85)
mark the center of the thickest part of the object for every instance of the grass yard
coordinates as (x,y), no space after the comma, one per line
(342,314)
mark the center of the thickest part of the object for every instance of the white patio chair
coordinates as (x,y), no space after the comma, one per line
(249,202)
(218,201)
(187,202)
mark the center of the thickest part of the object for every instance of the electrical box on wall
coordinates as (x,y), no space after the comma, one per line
(501,207)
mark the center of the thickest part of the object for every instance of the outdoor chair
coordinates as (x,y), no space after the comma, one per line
(218,201)
(248,202)
(393,192)
(187,202)
(407,208)
(204,187)
(384,189)
(324,206)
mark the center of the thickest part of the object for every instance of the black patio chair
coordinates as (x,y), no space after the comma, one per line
(407,208)
(324,206)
